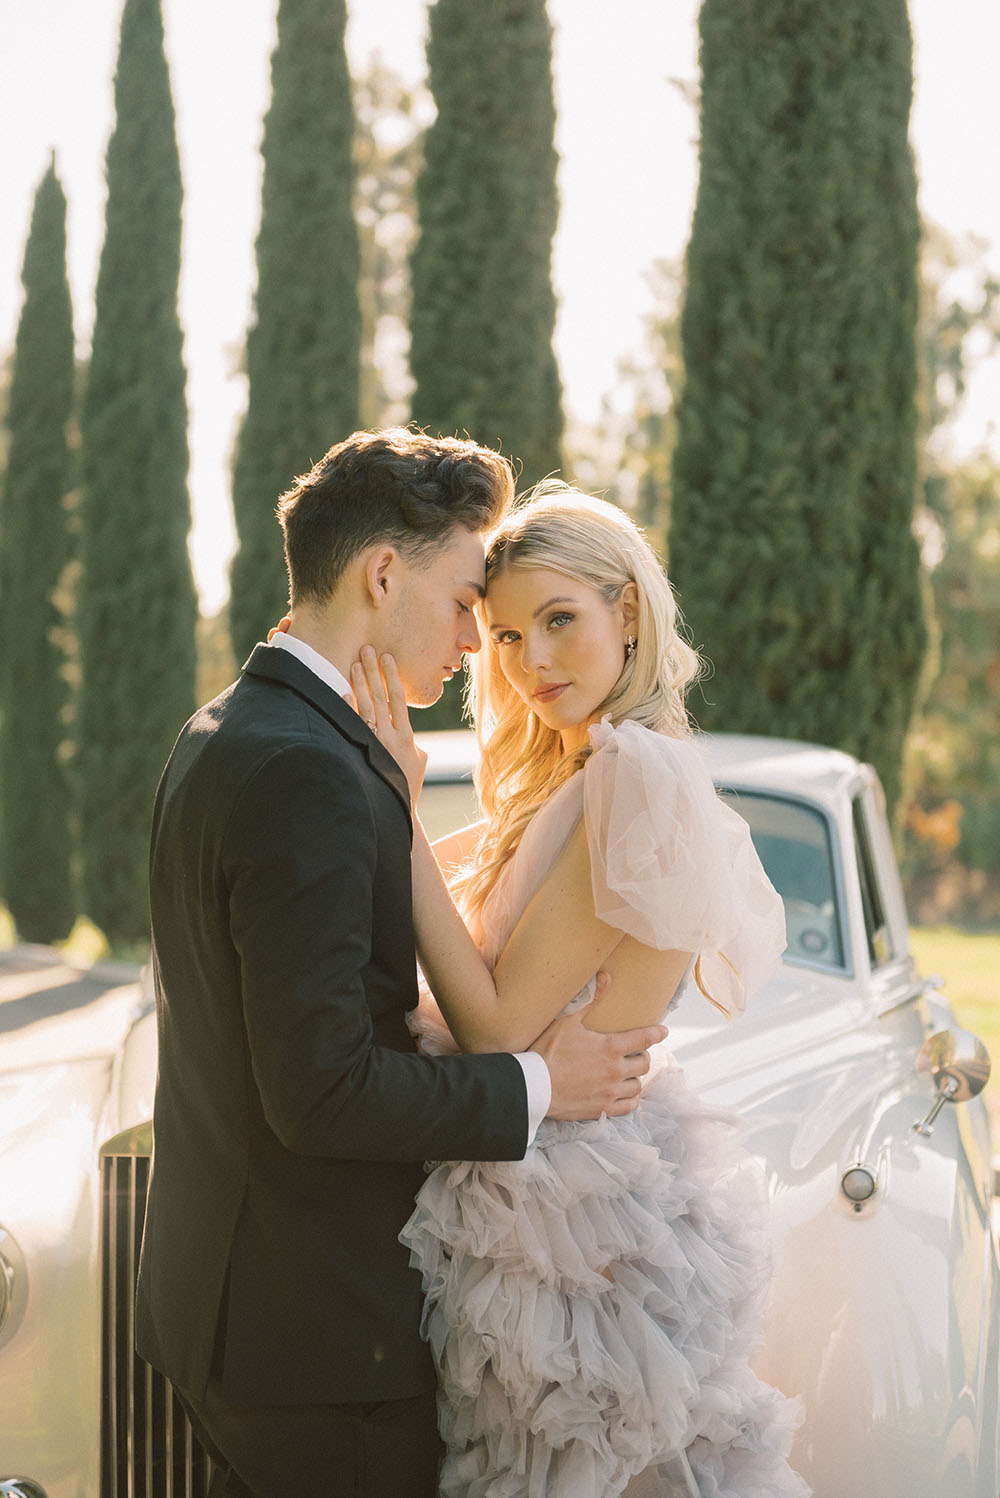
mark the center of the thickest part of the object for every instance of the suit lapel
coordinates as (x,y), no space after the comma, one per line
(281,666)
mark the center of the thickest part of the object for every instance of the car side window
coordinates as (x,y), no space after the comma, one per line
(793,843)
(877,932)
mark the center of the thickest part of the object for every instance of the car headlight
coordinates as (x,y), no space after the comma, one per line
(859,1185)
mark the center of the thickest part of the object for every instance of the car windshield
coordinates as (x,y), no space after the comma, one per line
(793,844)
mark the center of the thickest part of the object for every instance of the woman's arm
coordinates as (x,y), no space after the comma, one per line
(556,948)
(558,945)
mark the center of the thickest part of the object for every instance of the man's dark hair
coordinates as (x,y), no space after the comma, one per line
(396,485)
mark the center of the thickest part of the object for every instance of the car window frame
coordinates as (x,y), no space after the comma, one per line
(848,968)
(875,918)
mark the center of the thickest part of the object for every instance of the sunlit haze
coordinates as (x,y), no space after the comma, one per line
(626,136)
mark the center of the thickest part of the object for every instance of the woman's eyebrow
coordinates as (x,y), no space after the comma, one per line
(559,598)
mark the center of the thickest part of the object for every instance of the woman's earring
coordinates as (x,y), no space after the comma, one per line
(629,647)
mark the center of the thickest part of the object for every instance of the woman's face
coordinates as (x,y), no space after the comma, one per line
(559,644)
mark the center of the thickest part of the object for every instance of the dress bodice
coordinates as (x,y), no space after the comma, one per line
(671,863)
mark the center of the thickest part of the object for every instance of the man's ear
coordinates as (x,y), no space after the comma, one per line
(380,574)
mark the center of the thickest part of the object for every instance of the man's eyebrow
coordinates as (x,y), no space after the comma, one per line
(478,588)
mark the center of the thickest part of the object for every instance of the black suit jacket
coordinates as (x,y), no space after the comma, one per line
(292,1115)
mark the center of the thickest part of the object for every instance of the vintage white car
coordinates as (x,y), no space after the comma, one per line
(885,1311)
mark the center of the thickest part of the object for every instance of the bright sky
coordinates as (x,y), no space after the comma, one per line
(626,136)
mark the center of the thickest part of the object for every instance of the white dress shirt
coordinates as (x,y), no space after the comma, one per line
(318,664)
(536,1074)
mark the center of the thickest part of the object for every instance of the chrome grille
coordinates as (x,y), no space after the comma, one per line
(148,1449)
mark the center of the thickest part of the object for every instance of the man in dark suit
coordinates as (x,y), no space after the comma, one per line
(292,1114)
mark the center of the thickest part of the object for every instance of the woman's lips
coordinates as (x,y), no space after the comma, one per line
(549,694)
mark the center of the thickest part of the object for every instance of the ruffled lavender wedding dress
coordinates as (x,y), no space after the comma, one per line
(592,1308)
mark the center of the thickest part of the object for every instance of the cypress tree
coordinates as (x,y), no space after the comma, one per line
(302,354)
(137,608)
(37,846)
(483,308)
(794,474)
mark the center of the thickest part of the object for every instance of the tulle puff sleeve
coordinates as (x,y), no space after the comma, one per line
(673,865)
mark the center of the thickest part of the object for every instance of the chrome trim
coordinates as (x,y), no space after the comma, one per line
(135,1141)
(6,1300)
(148,1449)
(13,1293)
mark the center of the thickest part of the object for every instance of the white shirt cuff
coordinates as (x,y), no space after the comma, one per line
(539,1087)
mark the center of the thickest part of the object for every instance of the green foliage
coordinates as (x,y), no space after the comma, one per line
(794,474)
(36,852)
(137,604)
(388,156)
(628,454)
(968,962)
(959,321)
(952,828)
(483,305)
(216,666)
(953,822)
(302,354)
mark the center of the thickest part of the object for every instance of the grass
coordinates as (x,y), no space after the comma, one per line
(968,963)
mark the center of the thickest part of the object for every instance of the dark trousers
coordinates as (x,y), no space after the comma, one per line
(388,1450)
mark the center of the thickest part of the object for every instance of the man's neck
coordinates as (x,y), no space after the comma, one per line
(332,633)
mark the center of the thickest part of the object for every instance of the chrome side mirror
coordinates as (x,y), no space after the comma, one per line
(959,1065)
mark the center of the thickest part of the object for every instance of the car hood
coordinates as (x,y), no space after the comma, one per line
(808,1059)
(45,1033)
(56,1070)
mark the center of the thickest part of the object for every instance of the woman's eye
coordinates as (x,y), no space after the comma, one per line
(560,619)
(507,637)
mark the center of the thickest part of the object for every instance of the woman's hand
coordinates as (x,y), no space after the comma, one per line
(378,693)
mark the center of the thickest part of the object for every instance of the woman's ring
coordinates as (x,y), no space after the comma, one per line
(371,726)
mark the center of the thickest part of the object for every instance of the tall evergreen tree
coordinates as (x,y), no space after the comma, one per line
(388,155)
(794,473)
(36,851)
(302,355)
(137,608)
(483,306)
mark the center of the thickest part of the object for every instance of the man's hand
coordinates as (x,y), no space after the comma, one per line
(593,1073)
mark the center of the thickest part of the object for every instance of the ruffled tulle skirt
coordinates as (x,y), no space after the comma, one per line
(592,1309)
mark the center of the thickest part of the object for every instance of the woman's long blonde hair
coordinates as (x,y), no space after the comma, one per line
(521,761)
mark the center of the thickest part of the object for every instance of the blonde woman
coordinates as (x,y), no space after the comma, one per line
(592,1307)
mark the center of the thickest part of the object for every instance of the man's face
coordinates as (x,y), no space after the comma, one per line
(433,624)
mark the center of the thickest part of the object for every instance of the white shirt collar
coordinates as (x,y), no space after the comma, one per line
(318,664)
